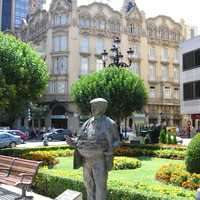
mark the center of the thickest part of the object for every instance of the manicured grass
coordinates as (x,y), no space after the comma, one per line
(145,174)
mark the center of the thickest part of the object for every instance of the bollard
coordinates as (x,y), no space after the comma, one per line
(198,194)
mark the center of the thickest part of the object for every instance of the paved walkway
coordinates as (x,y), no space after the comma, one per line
(10,193)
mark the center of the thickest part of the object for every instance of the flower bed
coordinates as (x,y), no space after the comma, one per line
(161,153)
(45,184)
(176,174)
(126,163)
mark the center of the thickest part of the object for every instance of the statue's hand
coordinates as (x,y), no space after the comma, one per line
(70,142)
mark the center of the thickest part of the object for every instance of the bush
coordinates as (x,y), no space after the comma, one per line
(126,163)
(131,151)
(174,140)
(18,152)
(176,174)
(169,138)
(48,158)
(193,155)
(45,184)
(162,138)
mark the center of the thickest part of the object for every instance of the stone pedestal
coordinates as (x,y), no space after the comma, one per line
(69,195)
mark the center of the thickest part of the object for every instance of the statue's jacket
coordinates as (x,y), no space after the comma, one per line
(97,137)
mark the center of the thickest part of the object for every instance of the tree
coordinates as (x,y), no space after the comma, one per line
(23,76)
(124,91)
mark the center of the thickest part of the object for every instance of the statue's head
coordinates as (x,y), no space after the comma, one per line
(98,106)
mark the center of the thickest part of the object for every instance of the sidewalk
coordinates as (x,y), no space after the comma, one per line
(10,193)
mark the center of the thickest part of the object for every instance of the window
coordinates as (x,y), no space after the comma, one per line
(165,54)
(21,11)
(136,49)
(197,90)
(114,26)
(176,93)
(60,43)
(188,91)
(101,24)
(135,68)
(84,66)
(99,45)
(133,29)
(84,22)
(176,55)
(61,20)
(99,64)
(176,74)
(191,60)
(152,92)
(191,90)
(60,65)
(57,86)
(164,72)
(197,57)
(167,92)
(84,46)
(152,53)
(152,72)
(61,87)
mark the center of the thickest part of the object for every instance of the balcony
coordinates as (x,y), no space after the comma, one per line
(152,59)
(164,60)
(176,61)
(162,101)
(153,79)
(54,97)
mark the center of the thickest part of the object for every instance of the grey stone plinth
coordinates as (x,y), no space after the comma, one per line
(69,195)
(198,194)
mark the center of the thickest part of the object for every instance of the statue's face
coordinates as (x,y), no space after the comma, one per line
(98,108)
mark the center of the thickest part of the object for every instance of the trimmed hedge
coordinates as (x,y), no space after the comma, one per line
(45,184)
(18,152)
(126,163)
(161,153)
(192,160)
(158,150)
(176,174)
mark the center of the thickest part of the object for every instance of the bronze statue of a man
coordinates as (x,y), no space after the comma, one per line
(94,149)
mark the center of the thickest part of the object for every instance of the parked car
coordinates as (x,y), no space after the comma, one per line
(57,134)
(9,140)
(23,135)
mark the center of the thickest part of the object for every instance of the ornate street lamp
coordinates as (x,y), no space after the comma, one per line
(116,55)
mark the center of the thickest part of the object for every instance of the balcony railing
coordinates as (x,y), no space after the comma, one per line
(163,101)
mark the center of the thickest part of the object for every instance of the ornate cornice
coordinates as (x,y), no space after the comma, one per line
(164,18)
(101,6)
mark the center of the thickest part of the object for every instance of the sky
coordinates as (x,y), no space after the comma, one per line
(176,9)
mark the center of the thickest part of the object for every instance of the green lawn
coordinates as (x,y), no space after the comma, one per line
(145,174)
(140,179)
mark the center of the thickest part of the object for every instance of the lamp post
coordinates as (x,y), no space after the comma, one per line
(117,60)
(116,55)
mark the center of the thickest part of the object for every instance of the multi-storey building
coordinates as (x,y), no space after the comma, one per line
(190,81)
(71,40)
(13,11)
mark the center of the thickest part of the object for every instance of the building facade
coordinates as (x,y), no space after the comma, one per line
(190,81)
(71,40)
(12,12)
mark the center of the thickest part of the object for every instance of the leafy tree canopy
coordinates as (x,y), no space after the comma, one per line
(124,91)
(23,75)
